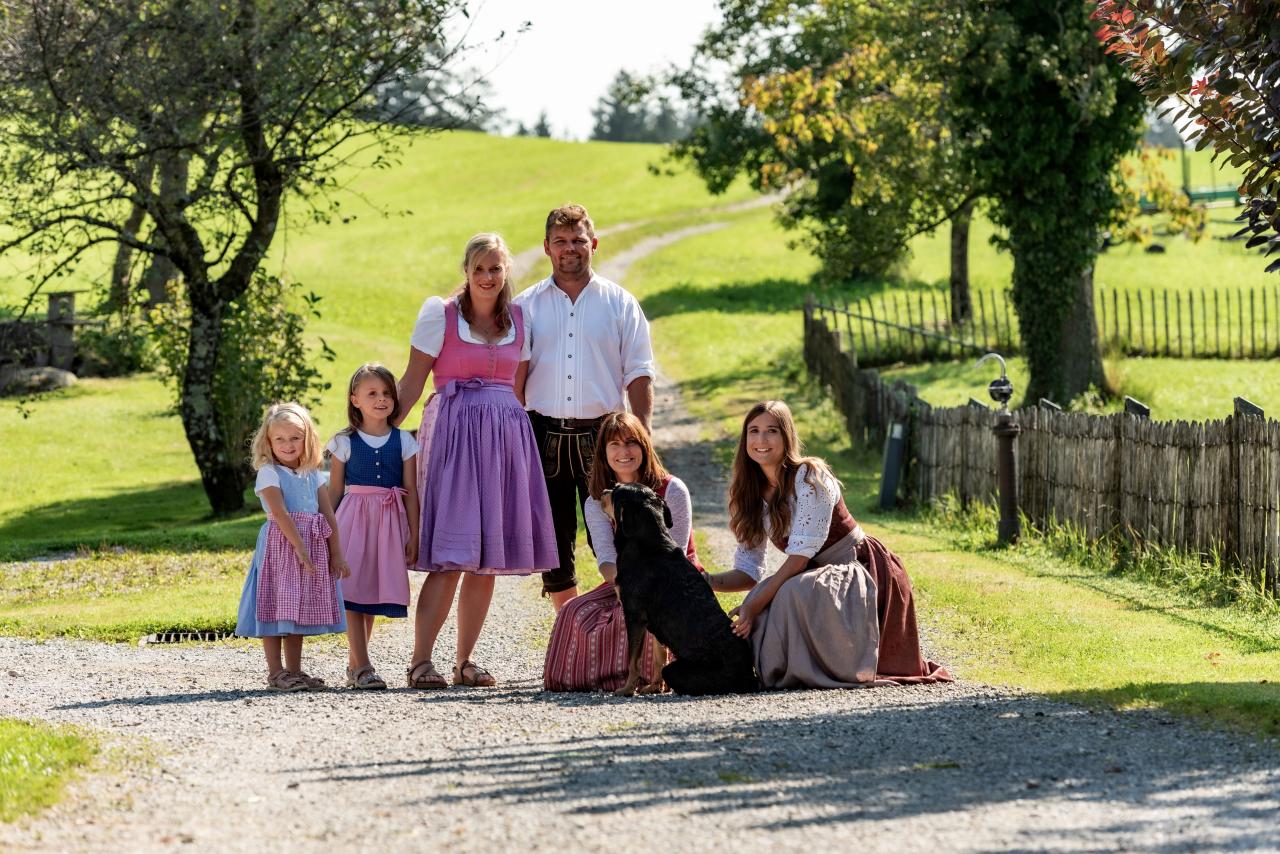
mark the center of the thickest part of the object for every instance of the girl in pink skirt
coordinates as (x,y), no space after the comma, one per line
(292,589)
(372,481)
(485,510)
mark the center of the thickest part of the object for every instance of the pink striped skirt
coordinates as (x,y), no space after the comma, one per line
(588,646)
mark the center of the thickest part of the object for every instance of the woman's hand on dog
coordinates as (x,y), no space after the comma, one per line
(743,615)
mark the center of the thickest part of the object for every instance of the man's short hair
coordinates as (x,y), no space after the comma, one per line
(571,216)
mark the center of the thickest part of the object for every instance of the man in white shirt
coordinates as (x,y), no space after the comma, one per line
(591,356)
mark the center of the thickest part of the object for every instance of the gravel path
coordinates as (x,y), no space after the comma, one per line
(201,756)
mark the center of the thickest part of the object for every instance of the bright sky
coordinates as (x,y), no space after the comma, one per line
(566,59)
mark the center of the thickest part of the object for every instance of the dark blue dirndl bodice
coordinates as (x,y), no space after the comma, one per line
(374,466)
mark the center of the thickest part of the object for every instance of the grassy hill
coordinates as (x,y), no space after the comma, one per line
(123,470)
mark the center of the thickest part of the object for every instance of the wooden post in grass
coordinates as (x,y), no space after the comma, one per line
(1226,298)
(924,342)
(1217,325)
(1115,311)
(1179,298)
(1191,316)
(1155,329)
(1142,344)
(1240,314)
(1128,314)
(1253,326)
(61,316)
(982,313)
(1167,337)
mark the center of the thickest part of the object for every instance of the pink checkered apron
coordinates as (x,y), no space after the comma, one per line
(287,591)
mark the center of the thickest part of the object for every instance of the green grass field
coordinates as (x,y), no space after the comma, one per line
(726,325)
(1023,617)
(36,763)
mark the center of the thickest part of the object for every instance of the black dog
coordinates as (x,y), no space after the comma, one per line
(662,592)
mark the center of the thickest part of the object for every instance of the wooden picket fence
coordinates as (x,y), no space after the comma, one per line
(1206,488)
(1212,322)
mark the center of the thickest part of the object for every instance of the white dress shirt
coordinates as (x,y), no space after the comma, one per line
(585,353)
(811,509)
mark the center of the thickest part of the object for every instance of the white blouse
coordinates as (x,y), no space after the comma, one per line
(811,509)
(339,446)
(678,502)
(428,331)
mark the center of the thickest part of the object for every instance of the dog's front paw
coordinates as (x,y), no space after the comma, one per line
(658,687)
(626,690)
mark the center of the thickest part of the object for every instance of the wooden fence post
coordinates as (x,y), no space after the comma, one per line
(61,317)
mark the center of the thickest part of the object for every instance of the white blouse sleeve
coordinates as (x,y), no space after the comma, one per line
(266,477)
(526,346)
(408,445)
(339,447)
(681,507)
(811,514)
(601,532)
(750,560)
(428,332)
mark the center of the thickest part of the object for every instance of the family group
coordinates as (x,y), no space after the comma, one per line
(528,424)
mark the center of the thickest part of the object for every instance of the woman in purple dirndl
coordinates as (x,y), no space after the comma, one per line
(485,510)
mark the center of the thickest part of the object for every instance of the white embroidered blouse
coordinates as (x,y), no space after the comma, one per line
(811,509)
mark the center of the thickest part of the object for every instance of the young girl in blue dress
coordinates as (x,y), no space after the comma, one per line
(292,589)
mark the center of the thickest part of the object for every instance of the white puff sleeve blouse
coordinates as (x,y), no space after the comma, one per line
(811,509)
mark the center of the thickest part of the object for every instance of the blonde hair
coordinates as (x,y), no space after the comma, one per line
(748,483)
(487,241)
(297,415)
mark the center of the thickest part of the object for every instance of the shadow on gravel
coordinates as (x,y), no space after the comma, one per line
(873,764)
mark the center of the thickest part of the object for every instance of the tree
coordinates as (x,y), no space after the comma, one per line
(630,110)
(1054,117)
(251,101)
(437,97)
(1216,64)
(843,104)
(543,127)
(885,120)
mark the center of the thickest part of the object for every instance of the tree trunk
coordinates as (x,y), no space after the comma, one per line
(223,477)
(118,292)
(1076,359)
(173,184)
(118,296)
(961,302)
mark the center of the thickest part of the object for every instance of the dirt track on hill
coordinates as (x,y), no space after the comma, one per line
(211,760)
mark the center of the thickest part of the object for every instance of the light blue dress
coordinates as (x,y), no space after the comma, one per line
(299,497)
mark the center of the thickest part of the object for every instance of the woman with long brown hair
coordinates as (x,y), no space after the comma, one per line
(839,611)
(588,646)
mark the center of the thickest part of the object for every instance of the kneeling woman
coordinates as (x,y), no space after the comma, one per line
(588,646)
(839,611)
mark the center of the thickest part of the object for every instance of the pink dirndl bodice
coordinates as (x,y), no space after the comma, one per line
(496,364)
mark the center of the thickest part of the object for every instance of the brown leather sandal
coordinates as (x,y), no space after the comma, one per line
(286,680)
(365,679)
(472,675)
(424,676)
(314,683)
